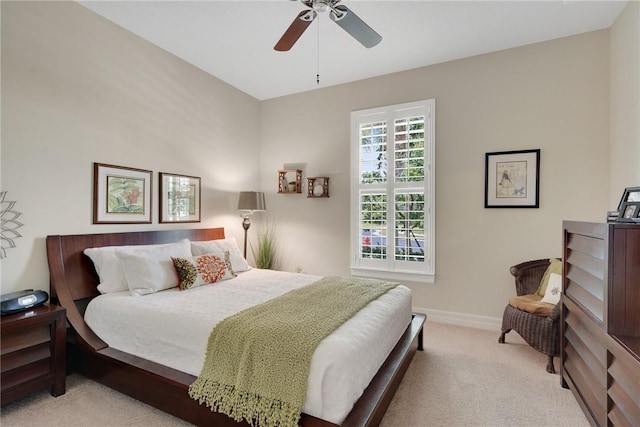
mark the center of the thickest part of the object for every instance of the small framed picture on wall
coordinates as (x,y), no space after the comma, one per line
(512,179)
(121,195)
(179,198)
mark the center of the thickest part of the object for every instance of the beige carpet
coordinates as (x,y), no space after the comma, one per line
(463,378)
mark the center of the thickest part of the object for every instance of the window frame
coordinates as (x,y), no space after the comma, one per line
(390,268)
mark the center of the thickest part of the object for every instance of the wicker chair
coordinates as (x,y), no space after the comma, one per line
(540,332)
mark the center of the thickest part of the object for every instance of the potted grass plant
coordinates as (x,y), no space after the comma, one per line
(265,251)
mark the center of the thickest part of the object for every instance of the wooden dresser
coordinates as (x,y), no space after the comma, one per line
(600,320)
(32,345)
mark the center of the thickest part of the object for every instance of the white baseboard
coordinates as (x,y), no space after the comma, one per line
(461,319)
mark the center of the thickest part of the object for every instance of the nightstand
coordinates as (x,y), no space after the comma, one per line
(32,348)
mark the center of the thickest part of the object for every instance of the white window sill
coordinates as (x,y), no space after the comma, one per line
(405,276)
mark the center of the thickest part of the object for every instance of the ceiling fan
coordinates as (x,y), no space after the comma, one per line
(340,14)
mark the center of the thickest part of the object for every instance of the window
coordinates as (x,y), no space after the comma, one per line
(392,192)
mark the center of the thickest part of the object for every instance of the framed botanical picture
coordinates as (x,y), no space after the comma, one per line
(512,179)
(179,198)
(121,195)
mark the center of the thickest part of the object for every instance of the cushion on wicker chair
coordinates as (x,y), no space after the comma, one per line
(555,266)
(531,304)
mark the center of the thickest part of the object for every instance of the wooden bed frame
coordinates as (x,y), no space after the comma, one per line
(74,283)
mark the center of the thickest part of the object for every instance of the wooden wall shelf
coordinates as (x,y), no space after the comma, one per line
(317,186)
(290,181)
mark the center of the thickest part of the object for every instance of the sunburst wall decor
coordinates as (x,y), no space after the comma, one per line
(8,224)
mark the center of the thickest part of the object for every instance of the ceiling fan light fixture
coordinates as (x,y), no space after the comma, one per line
(320,6)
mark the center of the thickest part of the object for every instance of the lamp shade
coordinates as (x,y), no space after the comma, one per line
(251,201)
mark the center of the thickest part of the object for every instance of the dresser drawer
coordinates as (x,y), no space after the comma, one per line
(623,387)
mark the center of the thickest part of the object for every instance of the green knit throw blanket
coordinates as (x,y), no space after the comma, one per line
(257,361)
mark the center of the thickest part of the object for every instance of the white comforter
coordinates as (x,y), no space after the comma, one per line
(172,328)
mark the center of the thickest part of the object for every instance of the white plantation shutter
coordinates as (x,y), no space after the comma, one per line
(392,212)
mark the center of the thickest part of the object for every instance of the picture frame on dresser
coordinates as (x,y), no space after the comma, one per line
(629,206)
(121,195)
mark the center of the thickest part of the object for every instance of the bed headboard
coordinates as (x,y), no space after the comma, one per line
(73,278)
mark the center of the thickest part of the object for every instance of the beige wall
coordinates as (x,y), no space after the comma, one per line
(625,102)
(77,89)
(552,96)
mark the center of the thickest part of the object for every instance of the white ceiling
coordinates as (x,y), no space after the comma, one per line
(233,40)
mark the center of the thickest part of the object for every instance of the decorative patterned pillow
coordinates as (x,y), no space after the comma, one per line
(221,245)
(555,266)
(202,270)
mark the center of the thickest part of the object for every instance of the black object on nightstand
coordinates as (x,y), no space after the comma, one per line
(32,348)
(21,300)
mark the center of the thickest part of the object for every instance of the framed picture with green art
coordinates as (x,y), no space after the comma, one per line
(179,198)
(121,195)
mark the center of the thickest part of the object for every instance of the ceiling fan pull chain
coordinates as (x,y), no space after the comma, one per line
(318,58)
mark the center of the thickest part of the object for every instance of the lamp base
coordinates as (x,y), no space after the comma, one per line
(246,223)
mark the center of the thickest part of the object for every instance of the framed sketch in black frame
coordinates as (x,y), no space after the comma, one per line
(179,198)
(629,206)
(512,179)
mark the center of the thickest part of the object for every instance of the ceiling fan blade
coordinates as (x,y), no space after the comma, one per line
(352,24)
(295,30)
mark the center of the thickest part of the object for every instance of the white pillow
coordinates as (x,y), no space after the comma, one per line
(238,263)
(150,269)
(109,268)
(554,289)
